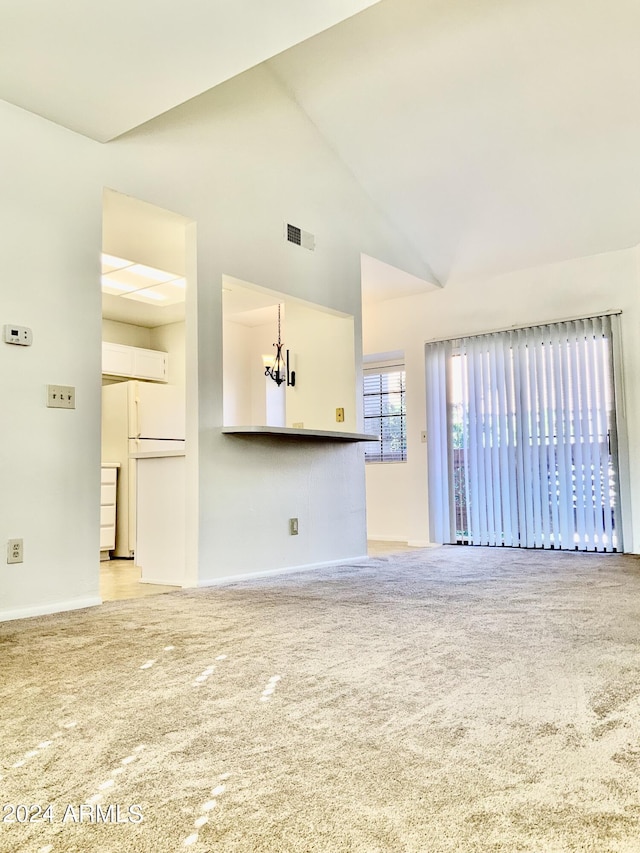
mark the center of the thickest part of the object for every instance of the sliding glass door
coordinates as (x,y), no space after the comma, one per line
(522,438)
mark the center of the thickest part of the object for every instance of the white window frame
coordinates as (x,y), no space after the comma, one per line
(374,452)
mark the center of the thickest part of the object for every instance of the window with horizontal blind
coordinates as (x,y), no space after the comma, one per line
(385,414)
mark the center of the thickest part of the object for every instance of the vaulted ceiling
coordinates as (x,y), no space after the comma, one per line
(495,134)
(104,68)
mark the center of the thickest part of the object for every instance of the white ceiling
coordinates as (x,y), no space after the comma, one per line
(382,281)
(251,305)
(247,304)
(144,251)
(127,285)
(140,314)
(103,68)
(496,134)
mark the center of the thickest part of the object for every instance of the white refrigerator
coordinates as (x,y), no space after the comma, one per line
(137,417)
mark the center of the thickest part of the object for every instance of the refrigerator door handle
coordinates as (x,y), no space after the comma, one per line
(137,405)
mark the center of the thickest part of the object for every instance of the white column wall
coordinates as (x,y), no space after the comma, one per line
(397,491)
(237,390)
(50,220)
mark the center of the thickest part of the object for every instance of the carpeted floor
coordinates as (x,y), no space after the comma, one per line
(453,699)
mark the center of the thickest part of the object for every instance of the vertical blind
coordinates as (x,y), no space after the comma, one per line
(385,413)
(522,438)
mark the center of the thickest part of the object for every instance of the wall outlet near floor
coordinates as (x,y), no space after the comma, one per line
(293,526)
(340,415)
(61,397)
(15,551)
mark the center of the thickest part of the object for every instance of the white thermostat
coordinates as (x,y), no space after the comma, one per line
(21,335)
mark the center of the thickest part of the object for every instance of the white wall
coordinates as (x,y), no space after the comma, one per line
(237,370)
(260,343)
(397,494)
(322,347)
(322,353)
(170,338)
(237,161)
(127,334)
(50,220)
(144,233)
(245,385)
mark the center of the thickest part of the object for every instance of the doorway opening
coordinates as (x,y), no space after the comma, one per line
(144,291)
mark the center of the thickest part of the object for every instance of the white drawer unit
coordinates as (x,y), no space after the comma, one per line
(108,486)
(108,516)
(107,494)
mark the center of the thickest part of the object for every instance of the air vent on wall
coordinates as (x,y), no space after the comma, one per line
(299,237)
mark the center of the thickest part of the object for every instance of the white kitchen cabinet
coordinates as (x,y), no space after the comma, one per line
(108,489)
(150,364)
(161,517)
(117,360)
(134,362)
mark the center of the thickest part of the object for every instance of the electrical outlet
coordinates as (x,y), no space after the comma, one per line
(293,526)
(61,397)
(340,416)
(15,551)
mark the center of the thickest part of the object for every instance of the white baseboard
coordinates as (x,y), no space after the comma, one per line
(412,543)
(284,571)
(162,582)
(53,607)
(386,539)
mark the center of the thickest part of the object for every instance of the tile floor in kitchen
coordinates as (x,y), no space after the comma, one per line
(120,579)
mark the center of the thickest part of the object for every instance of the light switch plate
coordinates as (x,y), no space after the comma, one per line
(61,397)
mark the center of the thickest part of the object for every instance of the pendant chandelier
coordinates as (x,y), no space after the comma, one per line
(279,370)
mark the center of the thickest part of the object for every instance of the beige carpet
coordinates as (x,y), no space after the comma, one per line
(454,699)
